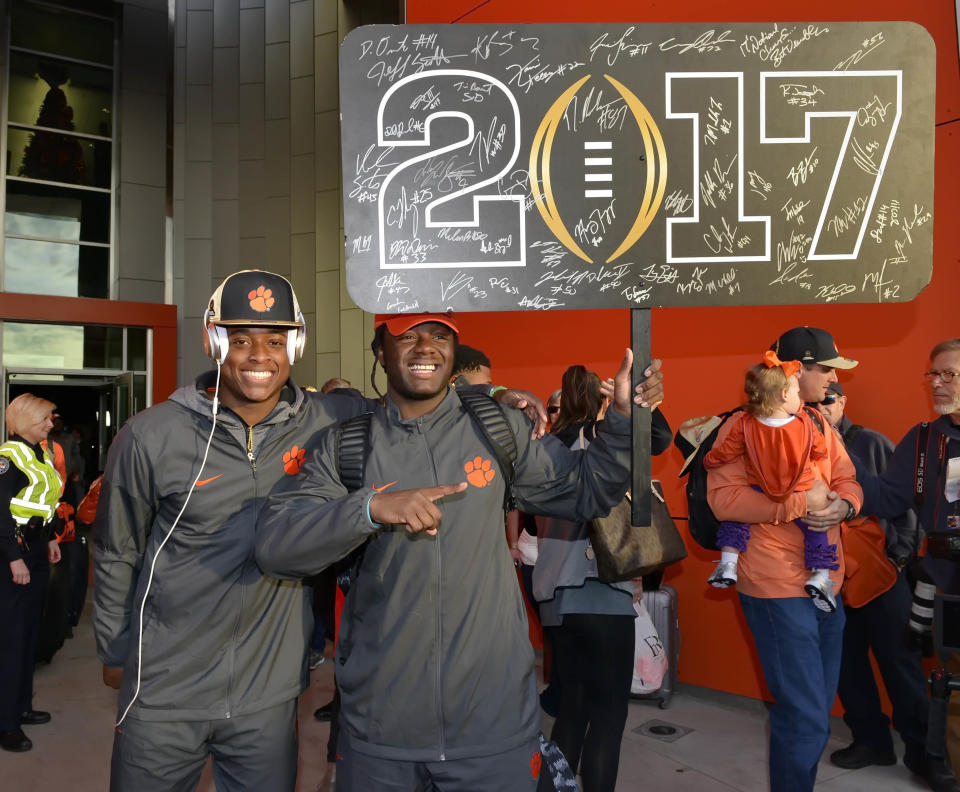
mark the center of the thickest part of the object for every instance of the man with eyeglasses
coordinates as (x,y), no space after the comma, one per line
(879,625)
(925,474)
(938,500)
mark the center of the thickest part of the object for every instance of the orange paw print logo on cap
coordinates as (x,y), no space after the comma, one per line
(261,299)
(293,460)
(479,471)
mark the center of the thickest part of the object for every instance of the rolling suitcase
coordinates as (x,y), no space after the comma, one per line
(54,618)
(661,604)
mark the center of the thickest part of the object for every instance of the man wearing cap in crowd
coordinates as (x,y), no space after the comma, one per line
(799,646)
(879,625)
(434,663)
(209,655)
(818,354)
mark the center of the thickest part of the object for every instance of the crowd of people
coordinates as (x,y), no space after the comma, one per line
(219,503)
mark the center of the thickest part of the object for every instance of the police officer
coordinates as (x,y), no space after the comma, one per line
(29,492)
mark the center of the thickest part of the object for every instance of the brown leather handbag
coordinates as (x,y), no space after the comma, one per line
(624,551)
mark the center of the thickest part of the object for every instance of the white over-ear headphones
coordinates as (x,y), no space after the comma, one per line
(297,337)
(219,342)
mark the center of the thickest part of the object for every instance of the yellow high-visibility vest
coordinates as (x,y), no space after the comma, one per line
(42,493)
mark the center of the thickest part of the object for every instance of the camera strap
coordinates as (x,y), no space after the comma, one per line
(920,475)
(920,467)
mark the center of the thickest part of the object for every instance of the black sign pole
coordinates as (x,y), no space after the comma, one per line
(640,486)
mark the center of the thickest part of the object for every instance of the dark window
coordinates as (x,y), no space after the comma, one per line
(47,28)
(53,156)
(84,103)
(102,347)
(137,349)
(59,148)
(42,210)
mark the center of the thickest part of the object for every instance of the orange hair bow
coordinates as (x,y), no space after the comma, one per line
(790,367)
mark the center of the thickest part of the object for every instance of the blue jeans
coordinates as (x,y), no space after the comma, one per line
(799,648)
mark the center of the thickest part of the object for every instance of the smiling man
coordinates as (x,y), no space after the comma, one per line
(211,656)
(434,663)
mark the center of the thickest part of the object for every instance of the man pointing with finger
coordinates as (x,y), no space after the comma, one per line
(434,663)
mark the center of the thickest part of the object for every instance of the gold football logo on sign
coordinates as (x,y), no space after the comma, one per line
(655,157)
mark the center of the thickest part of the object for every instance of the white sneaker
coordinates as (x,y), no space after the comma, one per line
(724,575)
(820,589)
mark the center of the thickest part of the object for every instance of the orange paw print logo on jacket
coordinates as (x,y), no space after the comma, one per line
(261,299)
(535,761)
(293,460)
(479,471)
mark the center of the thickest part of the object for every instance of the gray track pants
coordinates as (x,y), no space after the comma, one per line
(513,771)
(251,753)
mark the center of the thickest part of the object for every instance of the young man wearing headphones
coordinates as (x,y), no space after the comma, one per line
(207,652)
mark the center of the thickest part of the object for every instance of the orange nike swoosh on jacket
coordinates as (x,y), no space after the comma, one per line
(381,489)
(207,481)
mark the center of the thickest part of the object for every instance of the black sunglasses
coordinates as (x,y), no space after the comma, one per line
(829,399)
(552,409)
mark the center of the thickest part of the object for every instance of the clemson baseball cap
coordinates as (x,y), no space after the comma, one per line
(254,297)
(400,323)
(811,345)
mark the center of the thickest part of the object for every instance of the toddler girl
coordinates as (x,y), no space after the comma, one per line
(778,439)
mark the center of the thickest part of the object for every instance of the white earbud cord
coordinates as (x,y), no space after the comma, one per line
(153,564)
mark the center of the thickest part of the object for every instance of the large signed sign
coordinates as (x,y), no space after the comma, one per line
(589,166)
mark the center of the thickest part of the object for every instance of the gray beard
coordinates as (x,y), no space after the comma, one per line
(948,409)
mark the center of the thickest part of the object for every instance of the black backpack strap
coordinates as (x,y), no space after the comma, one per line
(851,434)
(815,416)
(489,417)
(353,448)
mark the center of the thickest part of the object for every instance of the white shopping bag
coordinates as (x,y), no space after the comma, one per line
(650,658)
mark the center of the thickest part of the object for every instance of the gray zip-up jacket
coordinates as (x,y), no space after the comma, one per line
(434,660)
(219,638)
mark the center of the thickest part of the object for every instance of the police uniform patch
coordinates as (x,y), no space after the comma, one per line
(4,465)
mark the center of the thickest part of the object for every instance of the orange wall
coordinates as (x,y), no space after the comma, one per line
(706,351)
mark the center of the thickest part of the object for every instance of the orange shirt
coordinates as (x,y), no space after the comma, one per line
(779,459)
(58,461)
(773,565)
